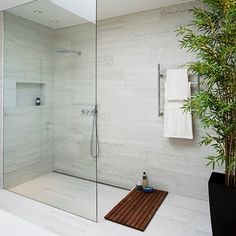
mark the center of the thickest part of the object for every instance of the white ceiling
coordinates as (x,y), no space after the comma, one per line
(52,15)
(6,4)
(56,17)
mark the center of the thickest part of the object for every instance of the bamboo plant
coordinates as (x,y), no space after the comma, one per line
(212,37)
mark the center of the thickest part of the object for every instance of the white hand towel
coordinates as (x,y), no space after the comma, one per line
(177,123)
(177,84)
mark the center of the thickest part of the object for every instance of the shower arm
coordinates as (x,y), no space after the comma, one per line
(65,50)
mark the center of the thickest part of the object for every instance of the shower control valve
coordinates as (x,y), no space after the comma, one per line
(88,112)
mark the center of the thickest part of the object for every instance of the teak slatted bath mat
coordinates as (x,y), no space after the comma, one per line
(137,209)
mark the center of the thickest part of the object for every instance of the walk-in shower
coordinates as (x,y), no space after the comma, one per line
(50,140)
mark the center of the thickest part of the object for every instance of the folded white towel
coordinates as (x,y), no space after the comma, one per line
(176,84)
(177,123)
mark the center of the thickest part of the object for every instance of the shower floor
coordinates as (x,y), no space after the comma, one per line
(68,193)
(177,215)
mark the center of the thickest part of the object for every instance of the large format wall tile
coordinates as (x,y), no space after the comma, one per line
(74,92)
(1,95)
(130,131)
(28,129)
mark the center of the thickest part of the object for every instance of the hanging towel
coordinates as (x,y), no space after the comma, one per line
(177,84)
(177,123)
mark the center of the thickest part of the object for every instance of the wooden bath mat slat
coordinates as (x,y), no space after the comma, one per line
(113,211)
(125,208)
(137,209)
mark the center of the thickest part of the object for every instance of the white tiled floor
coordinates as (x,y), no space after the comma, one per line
(15,226)
(178,216)
(68,193)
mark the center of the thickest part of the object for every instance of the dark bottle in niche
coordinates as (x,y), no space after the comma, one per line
(38,101)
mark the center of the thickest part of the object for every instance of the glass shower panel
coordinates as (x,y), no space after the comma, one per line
(74,101)
(49,104)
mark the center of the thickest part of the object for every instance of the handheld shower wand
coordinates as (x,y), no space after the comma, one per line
(94,151)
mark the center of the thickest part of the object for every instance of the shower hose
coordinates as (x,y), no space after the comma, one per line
(94,145)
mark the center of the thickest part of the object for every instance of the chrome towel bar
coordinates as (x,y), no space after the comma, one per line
(159,75)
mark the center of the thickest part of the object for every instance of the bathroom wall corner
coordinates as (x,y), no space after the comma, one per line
(1,95)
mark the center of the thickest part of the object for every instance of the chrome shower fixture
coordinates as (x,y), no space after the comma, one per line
(88,111)
(65,50)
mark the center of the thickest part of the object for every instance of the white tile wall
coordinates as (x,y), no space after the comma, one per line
(28,130)
(74,91)
(130,131)
(1,95)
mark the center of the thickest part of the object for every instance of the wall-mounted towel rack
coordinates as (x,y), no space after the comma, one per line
(159,89)
(159,76)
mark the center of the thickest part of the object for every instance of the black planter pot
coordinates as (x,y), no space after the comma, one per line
(222,206)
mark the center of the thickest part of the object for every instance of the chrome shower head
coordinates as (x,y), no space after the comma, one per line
(65,50)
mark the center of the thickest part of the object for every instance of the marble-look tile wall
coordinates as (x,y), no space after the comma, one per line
(74,92)
(35,135)
(130,131)
(28,73)
(1,95)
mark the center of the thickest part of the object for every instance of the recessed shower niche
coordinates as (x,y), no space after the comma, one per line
(28,94)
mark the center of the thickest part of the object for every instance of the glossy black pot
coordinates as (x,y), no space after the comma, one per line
(222,206)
